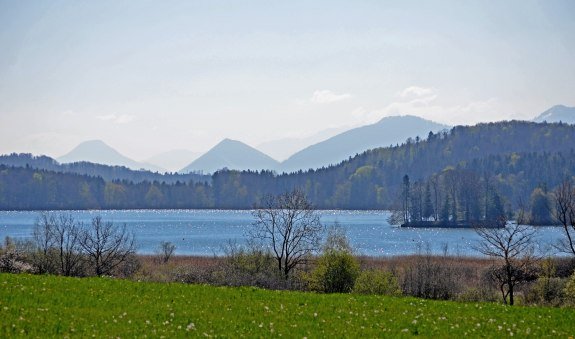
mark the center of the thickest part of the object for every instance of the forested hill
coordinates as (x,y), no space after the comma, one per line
(514,157)
(517,155)
(106,172)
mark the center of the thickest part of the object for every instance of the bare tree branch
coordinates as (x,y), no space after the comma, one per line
(289,225)
(513,246)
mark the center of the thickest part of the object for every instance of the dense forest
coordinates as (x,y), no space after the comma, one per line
(108,173)
(513,160)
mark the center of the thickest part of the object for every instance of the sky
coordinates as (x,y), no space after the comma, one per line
(152,76)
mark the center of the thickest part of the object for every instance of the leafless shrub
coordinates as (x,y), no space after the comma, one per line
(250,266)
(429,278)
(106,246)
(165,251)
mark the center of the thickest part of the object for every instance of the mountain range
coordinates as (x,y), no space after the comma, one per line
(281,149)
(325,148)
(513,159)
(390,130)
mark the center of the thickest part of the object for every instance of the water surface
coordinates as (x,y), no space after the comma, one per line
(206,232)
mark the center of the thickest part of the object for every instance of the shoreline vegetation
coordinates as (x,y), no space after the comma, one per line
(71,277)
(422,275)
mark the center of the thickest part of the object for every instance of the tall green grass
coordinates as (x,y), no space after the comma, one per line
(56,306)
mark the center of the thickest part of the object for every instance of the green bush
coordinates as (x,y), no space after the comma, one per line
(377,282)
(569,289)
(478,294)
(336,272)
(547,291)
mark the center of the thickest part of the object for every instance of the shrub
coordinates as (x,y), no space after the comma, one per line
(337,268)
(547,291)
(569,289)
(478,294)
(13,257)
(427,278)
(377,282)
(165,251)
(336,272)
(11,262)
(250,266)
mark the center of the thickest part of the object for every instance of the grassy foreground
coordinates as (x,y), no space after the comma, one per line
(56,306)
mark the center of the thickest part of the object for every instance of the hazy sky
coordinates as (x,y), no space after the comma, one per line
(151,76)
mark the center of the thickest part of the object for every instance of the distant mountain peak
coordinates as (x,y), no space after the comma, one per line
(227,142)
(231,154)
(387,131)
(98,152)
(557,113)
(94,142)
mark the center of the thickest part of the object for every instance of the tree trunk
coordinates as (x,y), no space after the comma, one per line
(510,285)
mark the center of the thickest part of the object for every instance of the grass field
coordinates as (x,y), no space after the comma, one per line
(56,306)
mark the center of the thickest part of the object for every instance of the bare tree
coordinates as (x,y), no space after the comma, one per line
(43,237)
(66,234)
(165,251)
(564,197)
(512,246)
(290,226)
(106,245)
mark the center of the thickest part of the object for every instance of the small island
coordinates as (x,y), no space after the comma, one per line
(454,224)
(453,198)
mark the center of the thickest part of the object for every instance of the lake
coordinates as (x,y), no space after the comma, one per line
(206,232)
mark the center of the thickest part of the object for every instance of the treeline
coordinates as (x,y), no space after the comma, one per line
(515,158)
(24,188)
(106,172)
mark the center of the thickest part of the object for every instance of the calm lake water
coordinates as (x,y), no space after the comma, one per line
(206,232)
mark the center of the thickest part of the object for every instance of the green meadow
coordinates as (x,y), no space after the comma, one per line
(43,306)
